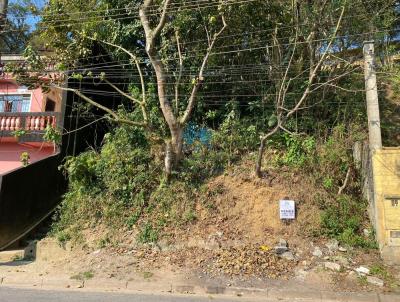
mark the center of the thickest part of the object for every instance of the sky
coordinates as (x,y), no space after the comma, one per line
(31,19)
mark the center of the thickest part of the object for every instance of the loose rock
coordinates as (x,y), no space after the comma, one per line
(288,256)
(332,266)
(342,260)
(375,281)
(283,242)
(342,249)
(317,252)
(282,247)
(333,245)
(367,233)
(362,270)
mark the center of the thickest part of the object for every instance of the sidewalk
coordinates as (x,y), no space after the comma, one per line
(50,272)
(119,286)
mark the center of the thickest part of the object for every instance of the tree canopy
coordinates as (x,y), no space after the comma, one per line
(285,65)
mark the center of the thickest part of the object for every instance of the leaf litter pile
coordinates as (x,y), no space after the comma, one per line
(250,261)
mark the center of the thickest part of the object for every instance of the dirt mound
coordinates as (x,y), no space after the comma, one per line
(239,209)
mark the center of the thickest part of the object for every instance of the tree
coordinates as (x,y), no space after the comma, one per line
(16,31)
(320,53)
(175,121)
(178,103)
(277,49)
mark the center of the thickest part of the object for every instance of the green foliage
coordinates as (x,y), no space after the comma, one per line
(343,216)
(132,220)
(18,33)
(298,150)
(327,161)
(379,270)
(121,186)
(33,58)
(19,133)
(25,159)
(344,219)
(52,135)
(81,169)
(77,76)
(83,276)
(103,242)
(147,234)
(328,183)
(235,136)
(63,237)
(202,164)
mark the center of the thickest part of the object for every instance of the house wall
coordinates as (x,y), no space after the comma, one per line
(38,98)
(386,206)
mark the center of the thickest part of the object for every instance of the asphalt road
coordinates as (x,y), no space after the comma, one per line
(25,295)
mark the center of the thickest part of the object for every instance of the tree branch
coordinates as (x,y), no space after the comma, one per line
(313,73)
(161,24)
(134,58)
(115,116)
(141,104)
(345,182)
(180,73)
(158,65)
(152,35)
(200,78)
(135,100)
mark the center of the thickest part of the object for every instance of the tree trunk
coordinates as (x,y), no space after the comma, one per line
(264,139)
(173,151)
(260,158)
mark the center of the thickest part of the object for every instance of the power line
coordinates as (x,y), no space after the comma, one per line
(170,11)
(124,17)
(145,59)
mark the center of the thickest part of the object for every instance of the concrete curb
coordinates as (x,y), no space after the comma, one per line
(107,285)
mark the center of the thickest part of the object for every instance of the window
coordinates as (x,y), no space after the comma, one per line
(50,105)
(15,103)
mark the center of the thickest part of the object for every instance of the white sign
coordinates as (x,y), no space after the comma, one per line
(287,209)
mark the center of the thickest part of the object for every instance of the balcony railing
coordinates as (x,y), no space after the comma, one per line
(33,123)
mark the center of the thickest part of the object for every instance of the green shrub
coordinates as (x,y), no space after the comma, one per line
(344,219)
(294,151)
(235,136)
(147,234)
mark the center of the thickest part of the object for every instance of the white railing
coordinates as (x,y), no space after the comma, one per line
(31,122)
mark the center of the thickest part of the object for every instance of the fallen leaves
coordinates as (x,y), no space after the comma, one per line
(250,261)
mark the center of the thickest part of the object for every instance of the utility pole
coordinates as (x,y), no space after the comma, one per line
(374,123)
(3,13)
(3,8)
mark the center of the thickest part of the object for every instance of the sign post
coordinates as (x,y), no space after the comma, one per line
(287,210)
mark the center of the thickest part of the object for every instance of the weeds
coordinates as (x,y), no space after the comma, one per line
(147,234)
(102,243)
(17,258)
(147,275)
(362,280)
(83,276)
(380,271)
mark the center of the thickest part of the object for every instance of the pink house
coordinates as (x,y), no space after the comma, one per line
(24,116)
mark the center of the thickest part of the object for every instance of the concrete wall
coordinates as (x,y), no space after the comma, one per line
(386,202)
